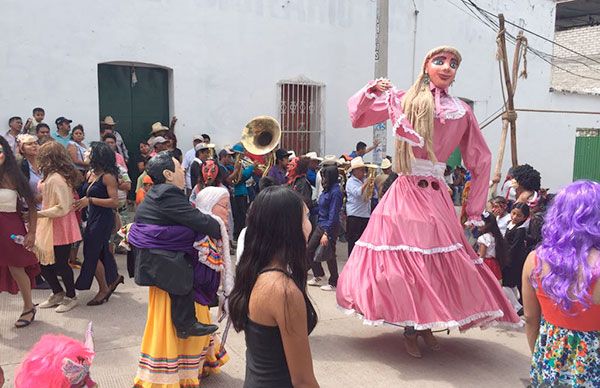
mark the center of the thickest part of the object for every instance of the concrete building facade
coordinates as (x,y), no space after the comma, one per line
(229,60)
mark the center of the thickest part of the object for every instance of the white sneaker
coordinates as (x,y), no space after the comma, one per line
(67,304)
(315,282)
(328,287)
(53,301)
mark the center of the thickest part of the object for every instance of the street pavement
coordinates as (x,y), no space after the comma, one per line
(345,352)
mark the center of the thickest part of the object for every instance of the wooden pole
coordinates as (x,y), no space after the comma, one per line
(511,115)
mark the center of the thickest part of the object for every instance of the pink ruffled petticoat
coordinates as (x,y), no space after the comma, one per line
(414,267)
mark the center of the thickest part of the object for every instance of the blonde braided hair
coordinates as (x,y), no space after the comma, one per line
(419,107)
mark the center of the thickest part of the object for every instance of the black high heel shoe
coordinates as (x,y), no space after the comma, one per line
(21,323)
(113,287)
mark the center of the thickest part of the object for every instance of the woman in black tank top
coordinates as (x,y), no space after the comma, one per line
(269,301)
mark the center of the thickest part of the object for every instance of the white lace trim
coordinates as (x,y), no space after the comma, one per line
(460,110)
(475,223)
(399,124)
(422,167)
(478,261)
(490,319)
(408,248)
(372,96)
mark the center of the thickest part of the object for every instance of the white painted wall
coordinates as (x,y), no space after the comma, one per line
(227,57)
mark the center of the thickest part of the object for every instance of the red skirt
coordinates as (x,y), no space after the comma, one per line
(493,264)
(13,254)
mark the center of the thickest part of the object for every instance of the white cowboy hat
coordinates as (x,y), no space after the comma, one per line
(158,127)
(313,156)
(356,163)
(343,162)
(329,160)
(385,164)
(108,120)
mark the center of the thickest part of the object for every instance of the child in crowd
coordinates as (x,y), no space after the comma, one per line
(32,122)
(492,247)
(499,206)
(141,192)
(516,242)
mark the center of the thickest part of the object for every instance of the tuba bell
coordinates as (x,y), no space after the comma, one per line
(260,137)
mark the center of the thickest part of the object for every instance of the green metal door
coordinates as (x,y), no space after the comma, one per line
(136,97)
(587,154)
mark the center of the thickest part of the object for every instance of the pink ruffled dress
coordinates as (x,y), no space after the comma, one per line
(413,265)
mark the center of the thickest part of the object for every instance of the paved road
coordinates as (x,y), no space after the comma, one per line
(345,353)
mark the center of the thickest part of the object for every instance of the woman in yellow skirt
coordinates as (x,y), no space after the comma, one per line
(166,360)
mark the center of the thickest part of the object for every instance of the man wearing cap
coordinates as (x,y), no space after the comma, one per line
(108,125)
(188,159)
(158,144)
(358,209)
(279,170)
(226,161)
(63,131)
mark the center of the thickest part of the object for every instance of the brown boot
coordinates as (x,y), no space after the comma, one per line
(411,345)
(429,339)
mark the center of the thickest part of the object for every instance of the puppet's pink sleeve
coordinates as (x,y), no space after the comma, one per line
(478,160)
(368,106)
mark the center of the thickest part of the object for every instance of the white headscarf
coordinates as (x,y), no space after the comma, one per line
(206,200)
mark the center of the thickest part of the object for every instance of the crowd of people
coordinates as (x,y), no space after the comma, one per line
(410,263)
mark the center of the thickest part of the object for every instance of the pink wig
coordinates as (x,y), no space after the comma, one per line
(56,361)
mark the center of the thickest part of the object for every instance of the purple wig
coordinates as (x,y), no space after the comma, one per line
(571,230)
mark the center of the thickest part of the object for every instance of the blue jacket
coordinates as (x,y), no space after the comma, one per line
(330,205)
(240,190)
(311,175)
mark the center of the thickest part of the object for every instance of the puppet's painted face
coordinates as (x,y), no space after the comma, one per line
(441,69)
(209,171)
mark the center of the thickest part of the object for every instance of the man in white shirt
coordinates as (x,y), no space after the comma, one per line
(358,209)
(188,159)
(15,126)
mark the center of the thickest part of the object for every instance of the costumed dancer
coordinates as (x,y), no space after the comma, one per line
(163,235)
(413,265)
(57,361)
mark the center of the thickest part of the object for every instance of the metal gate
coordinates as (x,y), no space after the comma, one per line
(301,115)
(587,154)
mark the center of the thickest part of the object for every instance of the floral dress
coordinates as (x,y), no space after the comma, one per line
(564,357)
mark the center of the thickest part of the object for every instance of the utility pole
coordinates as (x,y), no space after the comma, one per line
(381,70)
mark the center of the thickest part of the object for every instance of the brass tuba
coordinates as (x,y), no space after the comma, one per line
(372,173)
(260,137)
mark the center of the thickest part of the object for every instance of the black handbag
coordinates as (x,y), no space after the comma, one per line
(167,270)
(324,253)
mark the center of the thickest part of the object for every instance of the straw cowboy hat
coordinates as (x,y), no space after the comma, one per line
(329,160)
(108,120)
(313,156)
(385,164)
(356,163)
(158,127)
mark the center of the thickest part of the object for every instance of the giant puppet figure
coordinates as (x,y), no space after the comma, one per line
(413,266)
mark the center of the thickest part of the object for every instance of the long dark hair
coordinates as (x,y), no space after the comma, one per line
(330,177)
(102,158)
(11,174)
(491,227)
(274,232)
